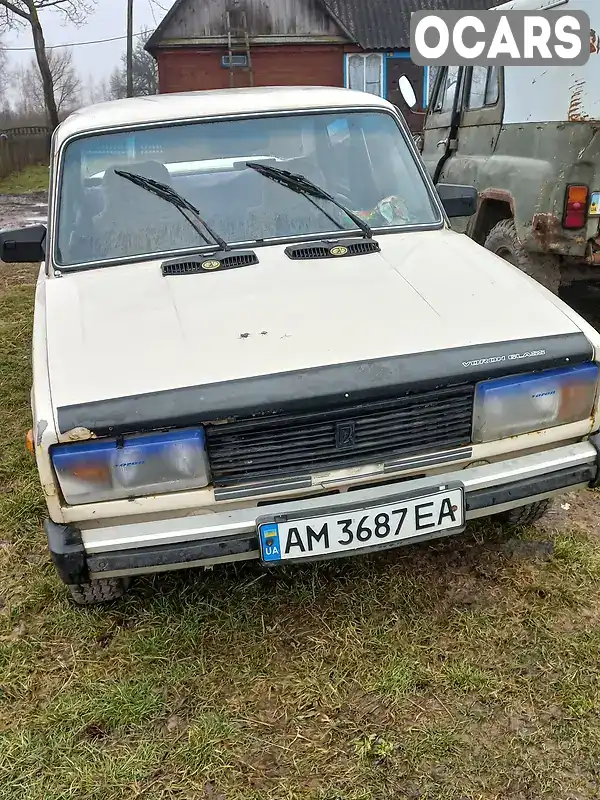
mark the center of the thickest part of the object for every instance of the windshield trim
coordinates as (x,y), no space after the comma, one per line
(145,257)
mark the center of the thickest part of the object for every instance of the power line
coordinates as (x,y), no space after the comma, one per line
(73,44)
(151,7)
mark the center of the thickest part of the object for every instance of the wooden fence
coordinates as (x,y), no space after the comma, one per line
(20,147)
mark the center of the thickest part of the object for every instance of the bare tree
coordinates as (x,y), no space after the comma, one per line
(66,85)
(4,76)
(145,73)
(19,13)
(96,91)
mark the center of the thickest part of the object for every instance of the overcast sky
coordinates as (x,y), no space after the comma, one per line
(108,20)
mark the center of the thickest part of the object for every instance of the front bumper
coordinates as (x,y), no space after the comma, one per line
(206,539)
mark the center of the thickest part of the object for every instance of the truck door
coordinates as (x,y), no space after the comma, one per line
(468,157)
(473,161)
(442,119)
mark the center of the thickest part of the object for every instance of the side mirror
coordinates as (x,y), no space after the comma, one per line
(458,201)
(407,92)
(23,245)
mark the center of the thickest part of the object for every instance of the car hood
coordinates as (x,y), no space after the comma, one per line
(127,330)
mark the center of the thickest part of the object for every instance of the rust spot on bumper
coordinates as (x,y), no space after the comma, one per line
(548,231)
(546,228)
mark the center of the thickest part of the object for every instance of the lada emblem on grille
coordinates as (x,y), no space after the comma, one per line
(345,435)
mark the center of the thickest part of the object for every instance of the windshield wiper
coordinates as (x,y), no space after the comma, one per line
(169,194)
(310,190)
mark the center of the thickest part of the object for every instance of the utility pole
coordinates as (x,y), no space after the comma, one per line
(129,48)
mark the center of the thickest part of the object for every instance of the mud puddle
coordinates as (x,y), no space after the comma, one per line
(18,210)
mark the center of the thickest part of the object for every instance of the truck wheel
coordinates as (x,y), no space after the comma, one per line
(503,241)
(99,590)
(526,515)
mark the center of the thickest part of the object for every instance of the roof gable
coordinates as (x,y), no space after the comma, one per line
(372,24)
(200,21)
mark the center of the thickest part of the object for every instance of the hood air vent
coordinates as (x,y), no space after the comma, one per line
(341,249)
(210,263)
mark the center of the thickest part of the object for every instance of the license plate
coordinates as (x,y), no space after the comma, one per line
(286,538)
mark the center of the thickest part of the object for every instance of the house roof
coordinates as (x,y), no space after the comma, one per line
(385,24)
(372,24)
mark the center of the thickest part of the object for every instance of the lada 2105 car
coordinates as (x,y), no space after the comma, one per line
(257,337)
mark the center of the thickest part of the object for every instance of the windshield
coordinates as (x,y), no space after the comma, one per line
(360,158)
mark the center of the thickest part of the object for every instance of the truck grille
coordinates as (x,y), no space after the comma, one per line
(300,444)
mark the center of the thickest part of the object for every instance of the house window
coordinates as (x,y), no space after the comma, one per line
(365,73)
(236,61)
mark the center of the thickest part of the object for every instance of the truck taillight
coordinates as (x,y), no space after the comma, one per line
(576,207)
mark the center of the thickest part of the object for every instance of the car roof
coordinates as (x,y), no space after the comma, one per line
(181,106)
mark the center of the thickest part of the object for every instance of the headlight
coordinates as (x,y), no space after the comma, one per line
(109,469)
(525,403)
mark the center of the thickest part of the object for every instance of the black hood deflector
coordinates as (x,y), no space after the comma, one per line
(330,386)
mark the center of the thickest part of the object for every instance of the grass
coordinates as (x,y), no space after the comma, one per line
(31,179)
(447,671)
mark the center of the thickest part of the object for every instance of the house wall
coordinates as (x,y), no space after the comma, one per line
(396,65)
(189,69)
(275,19)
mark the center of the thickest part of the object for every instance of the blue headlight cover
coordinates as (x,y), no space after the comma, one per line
(154,463)
(525,403)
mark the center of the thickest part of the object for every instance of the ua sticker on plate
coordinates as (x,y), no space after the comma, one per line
(595,205)
(269,540)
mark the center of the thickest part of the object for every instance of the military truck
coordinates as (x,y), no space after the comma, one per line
(528,138)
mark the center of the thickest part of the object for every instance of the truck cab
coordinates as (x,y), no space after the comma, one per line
(528,139)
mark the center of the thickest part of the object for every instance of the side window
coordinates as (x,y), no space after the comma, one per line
(431,77)
(484,89)
(478,87)
(447,90)
(492,92)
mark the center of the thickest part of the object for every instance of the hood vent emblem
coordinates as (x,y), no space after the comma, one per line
(228,259)
(324,249)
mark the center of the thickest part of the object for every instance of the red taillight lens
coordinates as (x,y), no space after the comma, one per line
(576,207)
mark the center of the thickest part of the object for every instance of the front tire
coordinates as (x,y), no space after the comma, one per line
(98,590)
(526,515)
(503,241)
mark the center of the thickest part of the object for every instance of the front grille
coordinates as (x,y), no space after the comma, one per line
(280,445)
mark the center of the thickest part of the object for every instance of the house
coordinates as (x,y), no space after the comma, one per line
(361,44)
